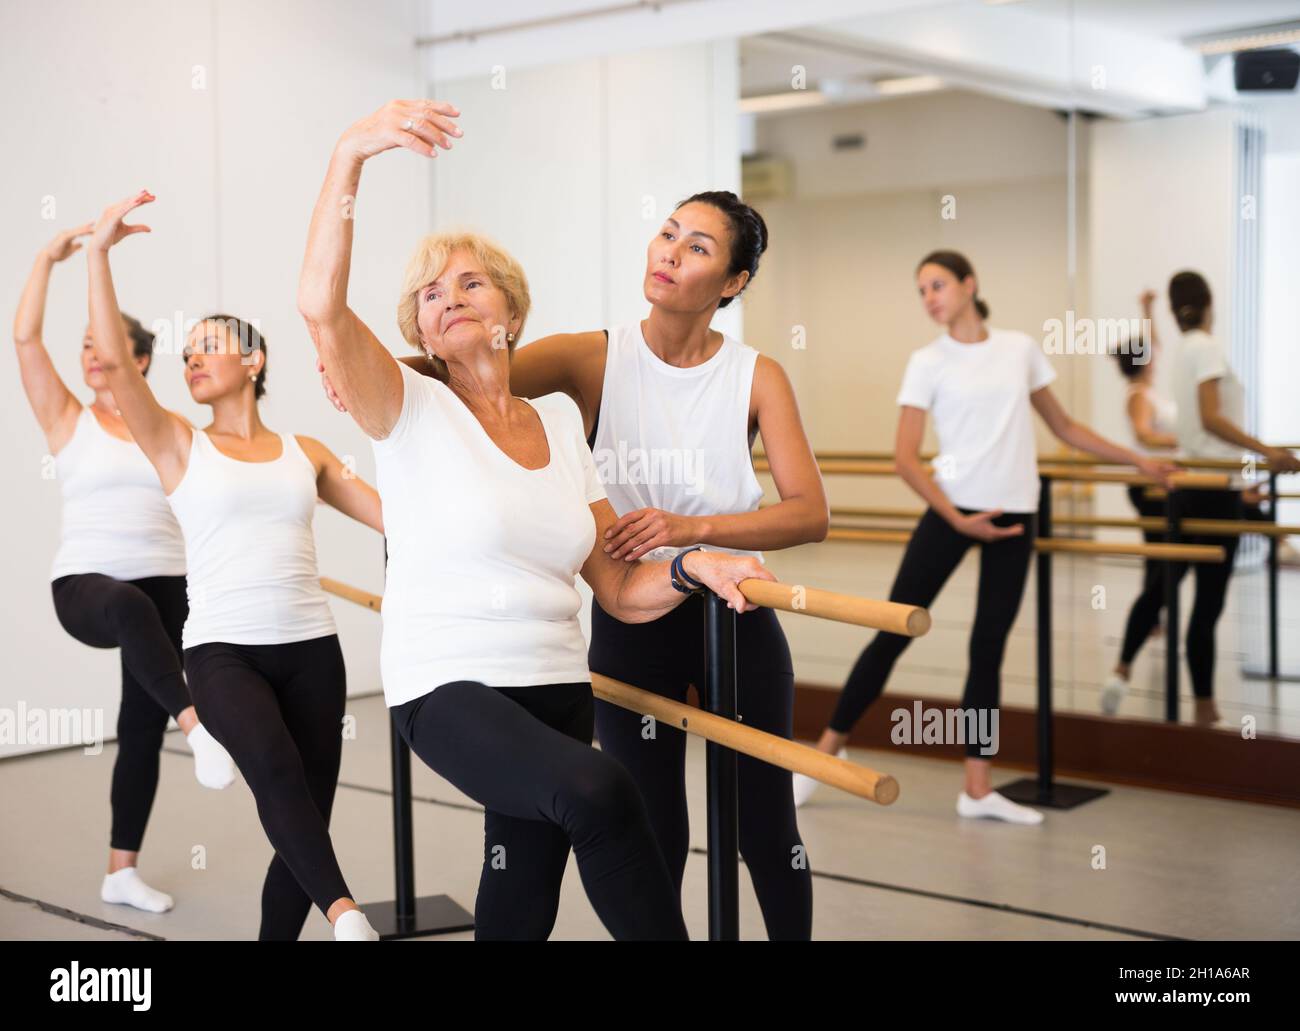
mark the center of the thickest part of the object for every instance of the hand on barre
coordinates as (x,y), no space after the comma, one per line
(1158,469)
(723,573)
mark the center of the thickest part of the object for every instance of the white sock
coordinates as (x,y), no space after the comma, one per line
(352,926)
(804,786)
(996,807)
(126,888)
(212,764)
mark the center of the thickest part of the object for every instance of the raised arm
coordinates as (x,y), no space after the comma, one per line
(163,436)
(360,369)
(339,486)
(52,402)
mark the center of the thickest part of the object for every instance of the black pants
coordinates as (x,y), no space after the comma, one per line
(1211,586)
(932,554)
(666,656)
(1145,612)
(524,753)
(144,619)
(278,710)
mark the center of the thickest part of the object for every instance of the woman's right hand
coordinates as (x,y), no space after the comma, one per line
(418,125)
(110,229)
(1280,460)
(66,244)
(980,526)
(334,399)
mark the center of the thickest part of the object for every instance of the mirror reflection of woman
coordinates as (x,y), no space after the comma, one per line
(118,579)
(1211,418)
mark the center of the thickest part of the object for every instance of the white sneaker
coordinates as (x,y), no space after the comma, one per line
(1113,693)
(353,926)
(804,786)
(996,807)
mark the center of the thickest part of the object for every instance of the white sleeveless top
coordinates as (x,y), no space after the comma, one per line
(116,520)
(248,540)
(1164,418)
(482,553)
(676,439)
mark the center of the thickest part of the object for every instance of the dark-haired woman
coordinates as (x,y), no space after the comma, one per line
(1150,420)
(980,385)
(1211,413)
(118,579)
(261,653)
(671,409)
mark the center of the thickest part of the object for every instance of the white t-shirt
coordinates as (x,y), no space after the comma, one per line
(482,553)
(1199,357)
(978,396)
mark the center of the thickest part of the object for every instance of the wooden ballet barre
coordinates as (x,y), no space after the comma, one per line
(1153,524)
(1180,480)
(1166,552)
(1190,462)
(789,755)
(908,620)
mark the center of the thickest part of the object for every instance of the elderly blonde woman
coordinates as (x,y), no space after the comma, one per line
(492,506)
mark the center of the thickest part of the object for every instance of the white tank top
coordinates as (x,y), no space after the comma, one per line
(248,540)
(1164,417)
(676,439)
(116,520)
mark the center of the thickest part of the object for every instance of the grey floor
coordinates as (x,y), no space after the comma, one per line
(1174,865)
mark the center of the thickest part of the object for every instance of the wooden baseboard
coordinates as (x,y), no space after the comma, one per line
(1143,753)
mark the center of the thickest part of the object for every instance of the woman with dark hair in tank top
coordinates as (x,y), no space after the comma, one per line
(671,408)
(118,579)
(261,653)
(981,386)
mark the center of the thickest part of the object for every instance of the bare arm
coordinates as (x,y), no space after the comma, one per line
(1214,421)
(568,363)
(1141,416)
(360,369)
(54,405)
(340,487)
(161,435)
(1075,434)
(639,592)
(801,516)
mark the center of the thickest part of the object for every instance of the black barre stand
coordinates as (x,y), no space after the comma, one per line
(407,916)
(720,772)
(1043,790)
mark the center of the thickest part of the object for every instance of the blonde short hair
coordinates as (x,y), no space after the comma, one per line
(427,264)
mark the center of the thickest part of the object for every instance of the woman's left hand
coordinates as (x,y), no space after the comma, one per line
(639,532)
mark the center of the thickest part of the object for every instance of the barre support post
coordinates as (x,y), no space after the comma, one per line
(721,772)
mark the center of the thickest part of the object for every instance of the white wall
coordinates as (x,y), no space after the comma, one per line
(98,105)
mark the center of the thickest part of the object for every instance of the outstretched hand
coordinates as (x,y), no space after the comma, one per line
(418,125)
(66,243)
(110,229)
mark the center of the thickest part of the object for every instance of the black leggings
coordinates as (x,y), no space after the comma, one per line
(1146,608)
(932,554)
(666,656)
(524,754)
(278,710)
(144,619)
(1211,585)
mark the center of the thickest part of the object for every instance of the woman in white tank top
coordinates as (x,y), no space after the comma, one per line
(672,408)
(1150,420)
(118,579)
(261,653)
